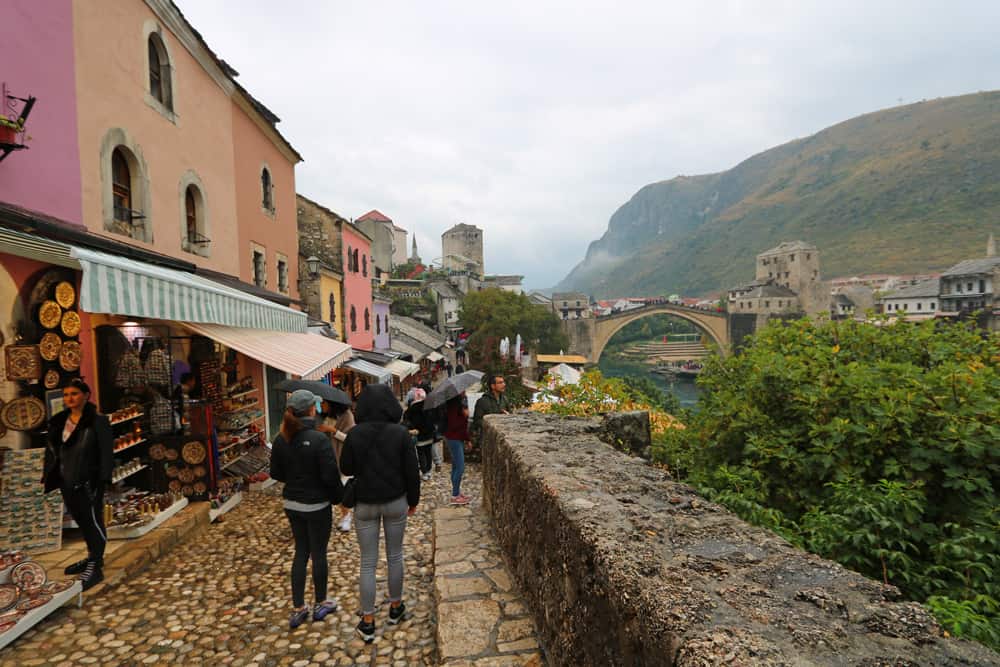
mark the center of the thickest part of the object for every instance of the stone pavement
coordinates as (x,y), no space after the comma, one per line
(482,619)
(222,598)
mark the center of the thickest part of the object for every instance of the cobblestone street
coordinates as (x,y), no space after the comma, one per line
(223,598)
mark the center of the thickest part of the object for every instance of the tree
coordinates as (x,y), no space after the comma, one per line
(493,314)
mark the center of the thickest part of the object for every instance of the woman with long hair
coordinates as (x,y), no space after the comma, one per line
(380,455)
(304,460)
(79,458)
(456,434)
(337,422)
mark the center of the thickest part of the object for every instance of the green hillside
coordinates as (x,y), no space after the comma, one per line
(904,190)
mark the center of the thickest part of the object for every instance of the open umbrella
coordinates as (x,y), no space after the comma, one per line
(452,387)
(321,389)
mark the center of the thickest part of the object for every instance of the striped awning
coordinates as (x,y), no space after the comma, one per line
(308,356)
(402,369)
(381,375)
(122,286)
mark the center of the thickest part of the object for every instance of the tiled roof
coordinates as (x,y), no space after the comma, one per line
(973,266)
(420,332)
(925,288)
(446,290)
(375,216)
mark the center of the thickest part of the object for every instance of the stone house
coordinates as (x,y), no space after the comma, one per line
(571,305)
(388,241)
(913,302)
(506,283)
(462,249)
(449,301)
(972,285)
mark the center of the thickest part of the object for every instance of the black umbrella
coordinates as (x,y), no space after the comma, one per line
(452,387)
(321,389)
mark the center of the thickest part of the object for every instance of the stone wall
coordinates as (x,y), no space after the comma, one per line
(581,336)
(622,566)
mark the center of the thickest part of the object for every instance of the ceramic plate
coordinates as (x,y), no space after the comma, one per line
(51,379)
(70,323)
(50,314)
(193,452)
(28,575)
(8,596)
(35,602)
(158,452)
(49,346)
(23,414)
(69,355)
(54,587)
(171,454)
(186,475)
(65,294)
(5,626)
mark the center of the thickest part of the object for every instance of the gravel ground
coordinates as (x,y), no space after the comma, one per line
(223,598)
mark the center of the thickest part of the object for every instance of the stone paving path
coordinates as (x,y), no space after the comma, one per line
(223,598)
(482,619)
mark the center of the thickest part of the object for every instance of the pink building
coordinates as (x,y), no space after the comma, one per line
(359,323)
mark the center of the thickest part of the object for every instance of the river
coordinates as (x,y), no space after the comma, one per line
(684,389)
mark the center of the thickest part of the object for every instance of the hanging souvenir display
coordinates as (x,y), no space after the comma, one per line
(193,452)
(71,323)
(65,294)
(23,414)
(49,346)
(51,379)
(50,314)
(69,356)
(23,362)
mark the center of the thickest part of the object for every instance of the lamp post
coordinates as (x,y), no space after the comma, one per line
(312,264)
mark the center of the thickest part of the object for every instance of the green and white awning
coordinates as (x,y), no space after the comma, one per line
(121,286)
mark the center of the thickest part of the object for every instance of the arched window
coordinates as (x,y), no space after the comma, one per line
(356,264)
(333,308)
(368,323)
(159,71)
(266,190)
(350,259)
(364,265)
(378,326)
(354,319)
(121,187)
(190,214)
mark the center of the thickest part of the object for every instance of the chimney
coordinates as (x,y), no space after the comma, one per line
(991,247)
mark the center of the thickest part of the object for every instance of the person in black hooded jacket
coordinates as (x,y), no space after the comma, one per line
(79,458)
(303,459)
(379,453)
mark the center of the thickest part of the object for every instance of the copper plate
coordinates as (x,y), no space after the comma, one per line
(70,323)
(50,314)
(174,485)
(199,471)
(187,490)
(8,596)
(34,603)
(186,475)
(69,356)
(6,625)
(199,487)
(193,452)
(51,379)
(172,472)
(11,616)
(171,454)
(28,575)
(49,346)
(158,452)
(23,362)
(54,587)
(23,414)
(65,294)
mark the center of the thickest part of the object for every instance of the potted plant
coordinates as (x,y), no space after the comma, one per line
(9,129)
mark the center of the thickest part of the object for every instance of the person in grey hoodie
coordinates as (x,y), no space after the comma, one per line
(304,460)
(379,453)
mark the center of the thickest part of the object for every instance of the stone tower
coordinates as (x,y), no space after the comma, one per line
(462,249)
(792,264)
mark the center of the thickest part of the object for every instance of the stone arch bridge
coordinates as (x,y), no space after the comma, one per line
(589,336)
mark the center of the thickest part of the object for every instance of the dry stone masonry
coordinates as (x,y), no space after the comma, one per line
(620,565)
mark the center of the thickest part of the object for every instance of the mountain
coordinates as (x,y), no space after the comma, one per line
(904,190)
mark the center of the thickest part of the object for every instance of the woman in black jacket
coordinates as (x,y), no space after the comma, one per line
(78,461)
(379,453)
(303,459)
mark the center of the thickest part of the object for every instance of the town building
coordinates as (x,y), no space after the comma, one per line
(380,314)
(972,285)
(380,229)
(358,304)
(448,300)
(571,305)
(913,302)
(462,249)
(321,263)
(508,283)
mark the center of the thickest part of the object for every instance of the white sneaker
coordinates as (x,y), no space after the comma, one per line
(426,476)
(345,524)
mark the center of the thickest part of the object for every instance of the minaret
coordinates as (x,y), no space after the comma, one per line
(991,247)
(414,257)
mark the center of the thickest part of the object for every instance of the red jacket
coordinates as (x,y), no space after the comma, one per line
(457,421)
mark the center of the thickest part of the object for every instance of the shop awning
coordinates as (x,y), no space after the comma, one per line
(402,369)
(306,355)
(381,375)
(435,356)
(122,286)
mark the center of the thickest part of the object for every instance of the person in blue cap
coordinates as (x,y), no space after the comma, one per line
(303,459)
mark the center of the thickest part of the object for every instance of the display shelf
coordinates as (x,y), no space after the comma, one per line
(118,478)
(239,442)
(32,618)
(240,428)
(127,419)
(233,501)
(242,408)
(238,458)
(242,393)
(122,533)
(134,444)
(266,484)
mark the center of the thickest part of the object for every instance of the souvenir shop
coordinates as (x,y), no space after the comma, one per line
(179,363)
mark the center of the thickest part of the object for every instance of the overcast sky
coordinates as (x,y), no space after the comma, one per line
(537,120)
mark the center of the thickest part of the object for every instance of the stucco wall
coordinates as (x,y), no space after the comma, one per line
(36,58)
(357,290)
(381,338)
(112,81)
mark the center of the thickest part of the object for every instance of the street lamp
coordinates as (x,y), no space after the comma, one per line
(312,264)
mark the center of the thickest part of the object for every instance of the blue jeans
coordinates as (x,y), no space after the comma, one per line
(457,449)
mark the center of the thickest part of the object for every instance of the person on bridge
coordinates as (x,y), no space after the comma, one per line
(493,402)
(456,434)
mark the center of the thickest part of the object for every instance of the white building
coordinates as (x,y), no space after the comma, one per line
(914,302)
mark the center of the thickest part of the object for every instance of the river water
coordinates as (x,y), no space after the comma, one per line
(684,389)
